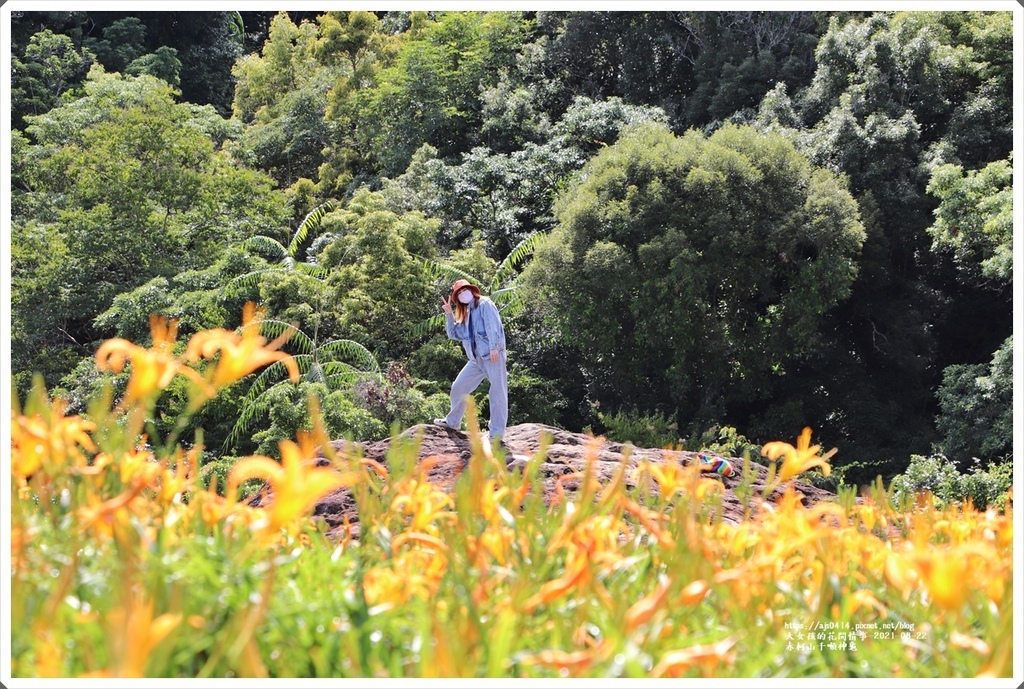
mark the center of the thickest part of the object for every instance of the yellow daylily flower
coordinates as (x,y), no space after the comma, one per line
(497,540)
(798,459)
(671,478)
(425,502)
(137,633)
(705,656)
(153,368)
(490,499)
(412,573)
(240,354)
(297,485)
(49,441)
(644,609)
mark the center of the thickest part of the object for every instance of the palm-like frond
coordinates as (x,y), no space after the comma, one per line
(276,371)
(436,269)
(339,371)
(424,327)
(519,254)
(245,420)
(316,363)
(351,350)
(250,279)
(314,271)
(274,328)
(266,246)
(311,220)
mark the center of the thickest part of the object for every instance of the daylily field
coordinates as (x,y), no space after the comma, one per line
(126,561)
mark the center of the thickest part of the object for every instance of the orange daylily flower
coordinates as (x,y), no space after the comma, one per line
(240,354)
(425,502)
(901,574)
(648,519)
(431,542)
(297,486)
(574,662)
(644,609)
(139,467)
(39,441)
(862,598)
(798,459)
(556,588)
(706,656)
(180,479)
(490,499)
(412,573)
(497,540)
(153,368)
(946,575)
(137,633)
(108,516)
(693,592)
(671,478)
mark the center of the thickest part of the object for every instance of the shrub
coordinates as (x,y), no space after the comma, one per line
(727,442)
(938,476)
(641,430)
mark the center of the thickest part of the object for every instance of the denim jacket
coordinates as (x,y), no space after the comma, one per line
(487,329)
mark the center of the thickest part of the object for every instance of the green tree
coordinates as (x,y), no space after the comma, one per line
(51,65)
(691,272)
(123,41)
(120,186)
(286,62)
(320,362)
(281,96)
(699,67)
(377,288)
(895,96)
(503,198)
(431,92)
(976,418)
(163,64)
(975,217)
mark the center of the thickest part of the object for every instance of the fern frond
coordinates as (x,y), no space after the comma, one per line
(318,273)
(251,279)
(353,351)
(436,269)
(426,327)
(312,219)
(519,254)
(276,370)
(339,368)
(245,421)
(315,374)
(265,246)
(274,328)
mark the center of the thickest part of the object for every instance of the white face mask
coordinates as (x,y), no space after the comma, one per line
(465,296)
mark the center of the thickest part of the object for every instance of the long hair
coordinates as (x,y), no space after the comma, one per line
(462,310)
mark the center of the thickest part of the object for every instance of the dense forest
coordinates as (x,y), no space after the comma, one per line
(696,223)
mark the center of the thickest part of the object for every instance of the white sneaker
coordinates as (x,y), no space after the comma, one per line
(444,423)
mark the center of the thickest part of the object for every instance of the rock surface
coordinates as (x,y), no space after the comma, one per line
(565,453)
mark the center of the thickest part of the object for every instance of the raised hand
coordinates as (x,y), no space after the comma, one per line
(446,305)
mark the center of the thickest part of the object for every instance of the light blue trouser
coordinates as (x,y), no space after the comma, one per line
(469,378)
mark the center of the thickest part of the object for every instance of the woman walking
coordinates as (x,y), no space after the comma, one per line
(474,320)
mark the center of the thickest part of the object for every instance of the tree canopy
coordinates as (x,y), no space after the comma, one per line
(758,220)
